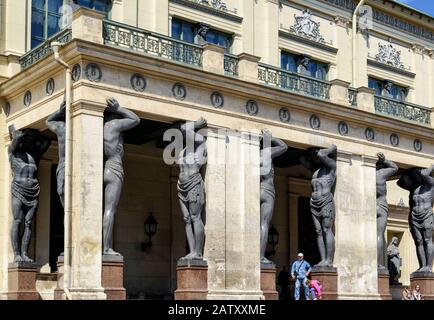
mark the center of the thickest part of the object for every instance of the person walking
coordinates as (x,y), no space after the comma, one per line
(300,270)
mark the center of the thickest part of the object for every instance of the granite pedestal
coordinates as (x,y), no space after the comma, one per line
(113,277)
(22,281)
(383,284)
(268,281)
(192,280)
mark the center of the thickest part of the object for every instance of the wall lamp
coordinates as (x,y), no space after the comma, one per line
(150,230)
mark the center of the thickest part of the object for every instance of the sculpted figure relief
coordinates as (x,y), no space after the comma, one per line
(385,169)
(191,189)
(421,186)
(25,151)
(116,120)
(394,260)
(268,193)
(322,203)
(56,123)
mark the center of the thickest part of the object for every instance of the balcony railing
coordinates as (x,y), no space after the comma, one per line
(352,97)
(293,82)
(402,110)
(131,38)
(231,65)
(44,49)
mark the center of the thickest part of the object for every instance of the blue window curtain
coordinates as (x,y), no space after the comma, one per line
(288,61)
(182,30)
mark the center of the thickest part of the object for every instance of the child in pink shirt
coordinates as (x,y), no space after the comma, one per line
(315,289)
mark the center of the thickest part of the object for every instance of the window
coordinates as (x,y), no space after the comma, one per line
(388,89)
(45,16)
(219,38)
(182,30)
(45,20)
(186,31)
(303,65)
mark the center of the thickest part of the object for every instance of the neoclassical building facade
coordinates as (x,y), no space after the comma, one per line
(297,68)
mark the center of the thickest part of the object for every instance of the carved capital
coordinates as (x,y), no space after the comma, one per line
(342,21)
(417,48)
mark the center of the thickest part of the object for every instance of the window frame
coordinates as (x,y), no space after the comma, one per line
(396,87)
(297,58)
(193,26)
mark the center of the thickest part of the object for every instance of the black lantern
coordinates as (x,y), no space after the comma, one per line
(150,230)
(273,239)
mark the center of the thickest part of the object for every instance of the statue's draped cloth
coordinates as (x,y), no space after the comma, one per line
(422,218)
(27,195)
(116,167)
(322,205)
(191,189)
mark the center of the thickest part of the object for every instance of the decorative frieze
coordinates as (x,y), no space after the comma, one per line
(388,54)
(305,26)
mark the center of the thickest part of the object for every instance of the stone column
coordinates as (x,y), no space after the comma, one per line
(233,213)
(6,254)
(213,58)
(266,13)
(355,227)
(87,202)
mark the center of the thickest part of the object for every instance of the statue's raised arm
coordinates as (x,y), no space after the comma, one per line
(17,137)
(56,121)
(128,118)
(426,175)
(388,168)
(324,157)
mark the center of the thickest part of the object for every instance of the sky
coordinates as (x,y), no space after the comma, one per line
(422,5)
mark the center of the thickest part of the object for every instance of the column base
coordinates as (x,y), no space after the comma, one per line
(383,284)
(22,281)
(235,295)
(113,277)
(268,281)
(426,282)
(87,294)
(192,280)
(328,277)
(59,292)
(358,296)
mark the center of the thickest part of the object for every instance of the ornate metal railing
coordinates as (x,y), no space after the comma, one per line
(231,64)
(44,49)
(131,38)
(352,97)
(293,82)
(402,110)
